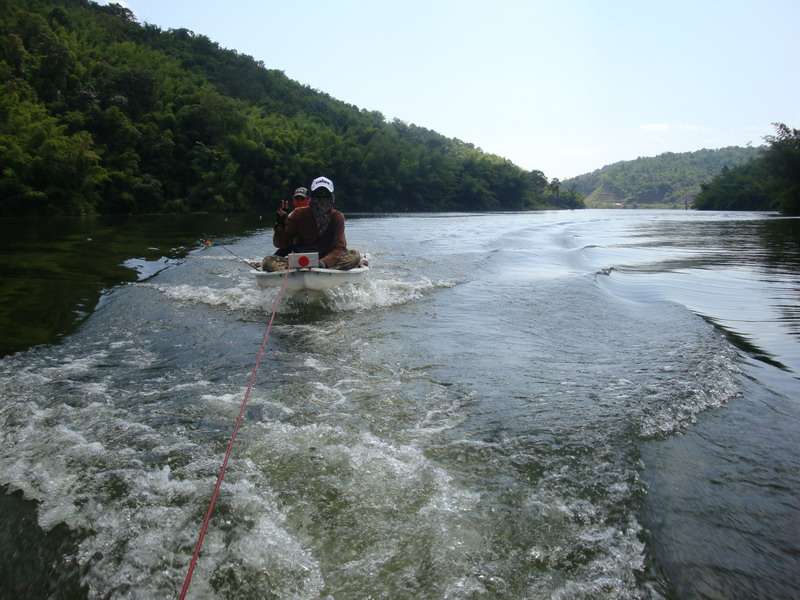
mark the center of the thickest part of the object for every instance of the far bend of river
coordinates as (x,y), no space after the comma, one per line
(587,404)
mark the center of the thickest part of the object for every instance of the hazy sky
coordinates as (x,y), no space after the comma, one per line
(562,86)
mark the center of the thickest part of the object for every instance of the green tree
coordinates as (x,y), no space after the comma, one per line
(42,168)
(770,182)
(783,162)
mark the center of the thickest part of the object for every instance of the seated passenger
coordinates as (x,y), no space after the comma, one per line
(299,200)
(315,228)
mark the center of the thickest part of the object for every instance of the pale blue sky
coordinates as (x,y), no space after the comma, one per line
(562,86)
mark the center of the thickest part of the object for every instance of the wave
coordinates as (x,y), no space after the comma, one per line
(742,304)
(243,295)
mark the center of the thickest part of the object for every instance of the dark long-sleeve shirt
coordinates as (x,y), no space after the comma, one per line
(300,233)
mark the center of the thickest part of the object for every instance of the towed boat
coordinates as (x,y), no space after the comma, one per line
(301,276)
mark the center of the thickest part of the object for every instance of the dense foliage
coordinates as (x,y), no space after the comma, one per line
(770,182)
(102,114)
(670,180)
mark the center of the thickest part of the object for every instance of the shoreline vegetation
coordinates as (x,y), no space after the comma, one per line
(101,114)
(769,182)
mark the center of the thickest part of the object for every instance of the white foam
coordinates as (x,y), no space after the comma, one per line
(234,298)
(244,295)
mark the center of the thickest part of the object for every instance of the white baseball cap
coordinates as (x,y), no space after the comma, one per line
(322,182)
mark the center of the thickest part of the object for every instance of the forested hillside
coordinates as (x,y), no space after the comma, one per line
(102,114)
(770,182)
(670,180)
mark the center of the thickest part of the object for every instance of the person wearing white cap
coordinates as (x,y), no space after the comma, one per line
(316,228)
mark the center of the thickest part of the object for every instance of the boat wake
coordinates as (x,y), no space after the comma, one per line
(374,292)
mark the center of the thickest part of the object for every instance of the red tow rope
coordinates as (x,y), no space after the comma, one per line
(230,444)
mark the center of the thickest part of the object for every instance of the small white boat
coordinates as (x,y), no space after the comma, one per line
(301,276)
(309,279)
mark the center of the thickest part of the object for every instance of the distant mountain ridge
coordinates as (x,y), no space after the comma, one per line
(669,180)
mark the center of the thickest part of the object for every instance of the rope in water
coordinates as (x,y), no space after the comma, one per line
(193,563)
(209,243)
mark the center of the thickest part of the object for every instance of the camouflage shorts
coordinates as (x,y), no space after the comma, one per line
(274,263)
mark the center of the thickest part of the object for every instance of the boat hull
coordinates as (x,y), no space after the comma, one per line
(309,279)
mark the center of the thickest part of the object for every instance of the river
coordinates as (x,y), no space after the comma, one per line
(568,404)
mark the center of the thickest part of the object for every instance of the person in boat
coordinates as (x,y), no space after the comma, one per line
(299,200)
(318,227)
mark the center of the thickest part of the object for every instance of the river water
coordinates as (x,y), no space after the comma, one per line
(585,404)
